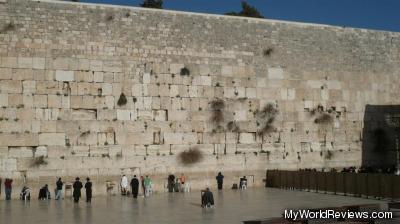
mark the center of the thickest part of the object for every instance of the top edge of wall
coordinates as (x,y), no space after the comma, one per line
(174,12)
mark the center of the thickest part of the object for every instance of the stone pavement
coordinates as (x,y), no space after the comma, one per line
(231,207)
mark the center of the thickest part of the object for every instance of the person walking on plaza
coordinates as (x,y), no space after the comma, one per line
(147,186)
(220,180)
(59,186)
(77,190)
(207,198)
(124,185)
(88,187)
(8,188)
(135,186)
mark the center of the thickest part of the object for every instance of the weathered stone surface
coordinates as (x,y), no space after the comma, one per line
(60,92)
(52,139)
(65,76)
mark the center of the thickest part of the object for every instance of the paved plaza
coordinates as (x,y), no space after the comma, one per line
(232,206)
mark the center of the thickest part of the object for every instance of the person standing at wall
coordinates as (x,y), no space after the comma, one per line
(142,183)
(182,178)
(220,180)
(77,190)
(147,186)
(124,185)
(88,187)
(8,188)
(171,183)
(135,186)
(59,186)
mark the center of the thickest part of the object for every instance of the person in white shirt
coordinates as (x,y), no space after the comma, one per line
(124,185)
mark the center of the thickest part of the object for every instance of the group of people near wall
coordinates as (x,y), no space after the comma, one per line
(145,182)
(174,185)
(177,184)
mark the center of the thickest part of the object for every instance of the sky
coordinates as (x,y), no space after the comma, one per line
(370,14)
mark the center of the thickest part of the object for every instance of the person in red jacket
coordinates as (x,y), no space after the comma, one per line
(8,188)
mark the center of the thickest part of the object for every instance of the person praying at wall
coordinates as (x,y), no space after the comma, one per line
(8,188)
(135,186)
(59,186)
(88,187)
(171,183)
(142,184)
(44,193)
(124,185)
(220,180)
(182,178)
(147,186)
(77,189)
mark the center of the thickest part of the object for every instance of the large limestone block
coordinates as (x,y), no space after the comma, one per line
(81,114)
(173,138)
(247,138)
(275,73)
(52,139)
(135,138)
(41,151)
(24,62)
(20,152)
(124,115)
(11,86)
(18,139)
(29,86)
(3,100)
(65,76)
(8,164)
(38,63)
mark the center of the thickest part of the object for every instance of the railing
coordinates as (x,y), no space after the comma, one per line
(379,186)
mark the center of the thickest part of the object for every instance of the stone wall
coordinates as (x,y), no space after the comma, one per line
(64,67)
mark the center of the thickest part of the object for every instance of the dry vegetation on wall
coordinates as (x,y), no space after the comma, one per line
(268,52)
(232,127)
(190,156)
(217,115)
(38,161)
(265,119)
(322,117)
(122,100)
(185,72)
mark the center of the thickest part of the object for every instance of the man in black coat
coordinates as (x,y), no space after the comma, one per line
(207,198)
(135,186)
(77,190)
(171,183)
(88,187)
(220,180)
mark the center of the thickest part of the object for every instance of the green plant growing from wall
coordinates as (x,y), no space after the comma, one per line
(268,52)
(190,156)
(185,71)
(122,100)
(217,115)
(8,27)
(265,119)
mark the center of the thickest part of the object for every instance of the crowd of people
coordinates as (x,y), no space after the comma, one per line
(362,169)
(127,187)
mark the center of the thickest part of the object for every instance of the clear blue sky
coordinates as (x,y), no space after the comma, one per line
(370,14)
